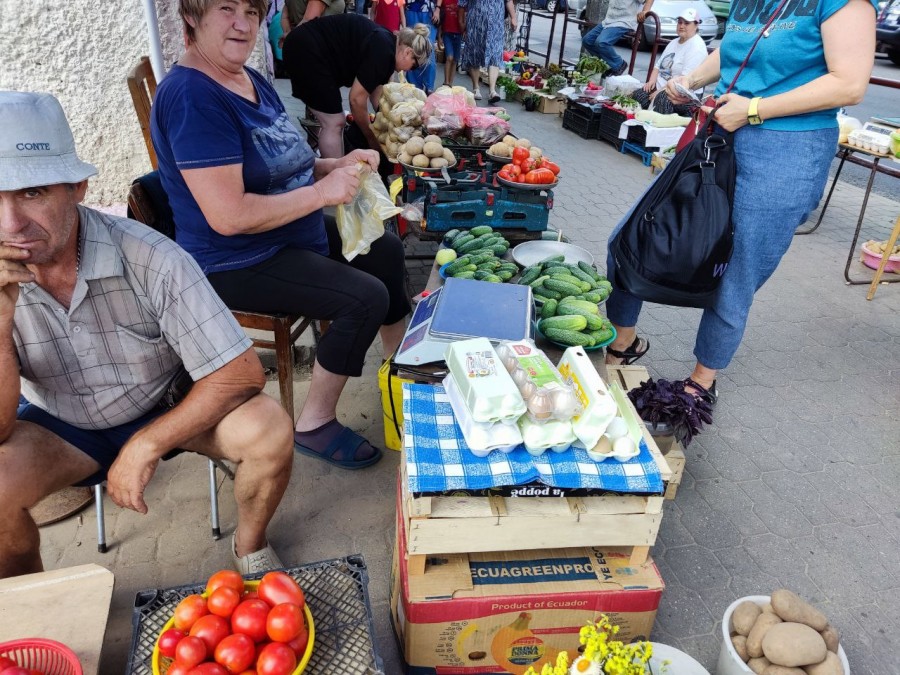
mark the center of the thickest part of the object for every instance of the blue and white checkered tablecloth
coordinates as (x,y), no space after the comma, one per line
(438,459)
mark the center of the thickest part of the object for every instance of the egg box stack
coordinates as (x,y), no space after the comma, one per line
(514,395)
(399,116)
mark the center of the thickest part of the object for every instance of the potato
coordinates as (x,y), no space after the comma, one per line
(431,138)
(509,140)
(792,608)
(393,148)
(768,608)
(438,163)
(793,644)
(414,146)
(523,143)
(832,638)
(433,149)
(449,156)
(772,669)
(499,150)
(758,665)
(739,642)
(744,616)
(404,158)
(830,666)
(421,161)
(754,639)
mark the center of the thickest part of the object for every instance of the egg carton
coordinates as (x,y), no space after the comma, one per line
(484,384)
(336,593)
(548,396)
(870,141)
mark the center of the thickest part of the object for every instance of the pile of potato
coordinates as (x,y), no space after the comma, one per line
(509,143)
(399,116)
(786,637)
(880,247)
(426,153)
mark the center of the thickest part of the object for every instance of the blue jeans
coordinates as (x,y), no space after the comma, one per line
(360,6)
(599,41)
(770,202)
(424,77)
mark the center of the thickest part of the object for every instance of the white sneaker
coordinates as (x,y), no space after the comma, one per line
(477,94)
(262,560)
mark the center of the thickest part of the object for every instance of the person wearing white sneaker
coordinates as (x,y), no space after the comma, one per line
(123,351)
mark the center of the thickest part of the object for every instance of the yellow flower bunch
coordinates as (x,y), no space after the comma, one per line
(560,668)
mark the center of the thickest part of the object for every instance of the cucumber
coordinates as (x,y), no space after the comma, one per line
(549,308)
(548,292)
(458,264)
(589,269)
(482,256)
(557,269)
(499,249)
(529,274)
(449,236)
(562,287)
(583,306)
(464,275)
(480,274)
(512,267)
(480,230)
(593,296)
(470,246)
(540,297)
(505,275)
(585,286)
(461,241)
(569,337)
(601,335)
(553,258)
(581,274)
(538,282)
(493,278)
(467,268)
(565,322)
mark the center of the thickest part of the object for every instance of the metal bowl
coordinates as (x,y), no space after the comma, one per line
(532,252)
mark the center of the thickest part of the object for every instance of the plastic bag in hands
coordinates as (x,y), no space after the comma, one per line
(362,220)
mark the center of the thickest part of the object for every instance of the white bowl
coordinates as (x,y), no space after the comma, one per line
(729,661)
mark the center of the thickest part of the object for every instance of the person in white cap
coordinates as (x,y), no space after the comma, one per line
(680,57)
(622,16)
(100,319)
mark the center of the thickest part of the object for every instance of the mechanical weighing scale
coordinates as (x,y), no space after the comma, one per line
(462,309)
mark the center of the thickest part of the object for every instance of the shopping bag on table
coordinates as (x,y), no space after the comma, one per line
(362,220)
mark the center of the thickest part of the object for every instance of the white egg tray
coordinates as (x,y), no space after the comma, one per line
(482,438)
(484,385)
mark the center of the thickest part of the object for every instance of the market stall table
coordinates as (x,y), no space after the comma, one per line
(79,598)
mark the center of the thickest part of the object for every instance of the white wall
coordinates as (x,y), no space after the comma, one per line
(81,51)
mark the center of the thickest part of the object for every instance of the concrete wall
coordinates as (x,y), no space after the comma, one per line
(81,51)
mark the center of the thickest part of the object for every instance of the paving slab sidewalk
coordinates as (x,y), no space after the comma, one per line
(797,484)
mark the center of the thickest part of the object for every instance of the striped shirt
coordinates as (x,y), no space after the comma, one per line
(141,309)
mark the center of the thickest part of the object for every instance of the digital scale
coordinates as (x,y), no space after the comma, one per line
(462,309)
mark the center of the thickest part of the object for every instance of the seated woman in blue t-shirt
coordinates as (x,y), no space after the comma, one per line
(247,194)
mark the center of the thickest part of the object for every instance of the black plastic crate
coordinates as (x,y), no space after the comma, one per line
(610,122)
(336,593)
(586,125)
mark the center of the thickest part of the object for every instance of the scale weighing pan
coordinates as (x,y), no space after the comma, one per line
(462,309)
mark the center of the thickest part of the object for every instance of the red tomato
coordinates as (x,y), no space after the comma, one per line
(6,662)
(177,668)
(540,177)
(515,170)
(222,601)
(167,642)
(228,578)
(236,652)
(505,175)
(212,630)
(284,622)
(298,644)
(520,154)
(276,659)
(190,651)
(250,595)
(547,164)
(208,668)
(246,672)
(189,610)
(249,618)
(277,587)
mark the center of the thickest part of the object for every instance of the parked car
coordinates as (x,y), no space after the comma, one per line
(574,6)
(720,8)
(668,11)
(887,30)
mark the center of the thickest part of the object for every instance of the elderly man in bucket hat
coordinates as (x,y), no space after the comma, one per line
(100,318)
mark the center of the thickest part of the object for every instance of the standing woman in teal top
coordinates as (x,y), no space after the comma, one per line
(816,58)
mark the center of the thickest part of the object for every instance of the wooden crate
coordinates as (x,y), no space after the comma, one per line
(630,377)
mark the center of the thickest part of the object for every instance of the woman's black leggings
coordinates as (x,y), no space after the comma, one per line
(358,297)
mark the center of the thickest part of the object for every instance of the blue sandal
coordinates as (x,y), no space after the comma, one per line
(345,443)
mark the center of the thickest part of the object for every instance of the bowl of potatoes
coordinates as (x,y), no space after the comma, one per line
(426,154)
(779,634)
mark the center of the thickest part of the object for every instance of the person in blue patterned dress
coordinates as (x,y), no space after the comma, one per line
(484,32)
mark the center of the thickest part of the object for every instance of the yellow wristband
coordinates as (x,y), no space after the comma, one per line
(753,111)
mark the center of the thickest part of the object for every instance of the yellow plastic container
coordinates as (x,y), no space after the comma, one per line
(160,664)
(391,404)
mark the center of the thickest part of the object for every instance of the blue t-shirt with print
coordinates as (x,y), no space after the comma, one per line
(791,56)
(197,123)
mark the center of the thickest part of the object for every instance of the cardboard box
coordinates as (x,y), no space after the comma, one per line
(503,612)
(552,105)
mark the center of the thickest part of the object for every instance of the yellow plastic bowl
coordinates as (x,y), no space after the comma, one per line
(248,586)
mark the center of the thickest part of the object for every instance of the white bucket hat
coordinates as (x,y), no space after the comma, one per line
(36,143)
(690,14)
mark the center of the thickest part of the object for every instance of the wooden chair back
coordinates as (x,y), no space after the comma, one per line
(142,85)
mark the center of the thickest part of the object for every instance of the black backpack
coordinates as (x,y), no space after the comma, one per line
(677,240)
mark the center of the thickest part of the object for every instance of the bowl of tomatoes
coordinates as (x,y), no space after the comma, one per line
(529,172)
(236,626)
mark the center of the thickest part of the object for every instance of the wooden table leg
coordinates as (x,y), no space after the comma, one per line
(892,240)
